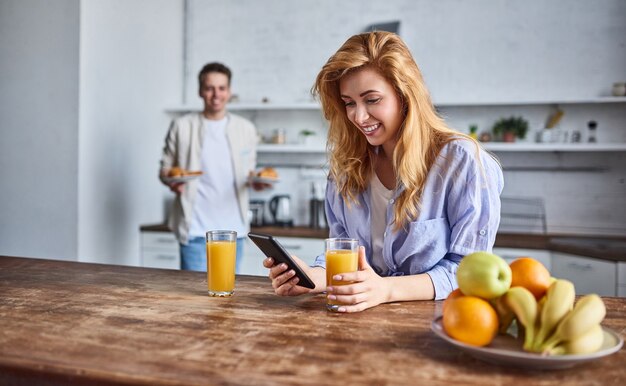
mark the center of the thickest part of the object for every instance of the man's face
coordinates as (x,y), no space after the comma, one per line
(215,92)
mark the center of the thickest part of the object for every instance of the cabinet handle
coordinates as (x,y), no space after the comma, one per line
(165,257)
(292,246)
(580,267)
(164,240)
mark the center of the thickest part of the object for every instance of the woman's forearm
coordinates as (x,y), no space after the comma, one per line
(410,287)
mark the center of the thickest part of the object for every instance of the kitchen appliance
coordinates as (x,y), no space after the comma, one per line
(280,210)
(317,213)
(257,210)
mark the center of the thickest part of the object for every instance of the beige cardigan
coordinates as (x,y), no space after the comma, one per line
(183,148)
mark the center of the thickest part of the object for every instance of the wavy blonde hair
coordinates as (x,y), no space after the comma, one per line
(420,138)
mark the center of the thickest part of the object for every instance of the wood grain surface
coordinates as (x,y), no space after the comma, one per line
(78,323)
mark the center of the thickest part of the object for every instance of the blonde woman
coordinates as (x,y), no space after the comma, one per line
(416,194)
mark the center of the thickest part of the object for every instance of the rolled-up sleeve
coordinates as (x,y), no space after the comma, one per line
(443,275)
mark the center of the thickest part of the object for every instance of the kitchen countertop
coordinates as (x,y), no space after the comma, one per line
(81,323)
(605,248)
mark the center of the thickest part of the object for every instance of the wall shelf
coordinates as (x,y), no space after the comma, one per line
(598,100)
(555,147)
(240,106)
(290,148)
(249,107)
(491,146)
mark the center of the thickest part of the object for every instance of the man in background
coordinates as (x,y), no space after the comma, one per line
(223,146)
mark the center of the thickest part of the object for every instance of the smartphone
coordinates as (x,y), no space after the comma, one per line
(272,248)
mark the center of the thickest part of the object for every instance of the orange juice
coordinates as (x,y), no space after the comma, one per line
(221,267)
(339,261)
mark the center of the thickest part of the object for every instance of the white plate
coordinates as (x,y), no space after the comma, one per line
(506,350)
(186,178)
(264,180)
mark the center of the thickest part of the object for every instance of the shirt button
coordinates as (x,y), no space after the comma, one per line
(482,232)
(392,201)
(385,234)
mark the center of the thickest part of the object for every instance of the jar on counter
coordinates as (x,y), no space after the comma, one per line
(280,136)
(619,89)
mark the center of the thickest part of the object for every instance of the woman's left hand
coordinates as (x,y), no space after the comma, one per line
(367,290)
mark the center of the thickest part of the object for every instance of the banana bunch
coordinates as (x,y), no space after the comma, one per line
(554,325)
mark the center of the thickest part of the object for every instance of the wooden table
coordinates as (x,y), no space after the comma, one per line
(66,322)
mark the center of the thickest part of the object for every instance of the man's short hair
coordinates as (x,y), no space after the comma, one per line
(213,67)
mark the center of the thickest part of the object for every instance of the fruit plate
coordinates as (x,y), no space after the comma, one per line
(507,350)
(185,178)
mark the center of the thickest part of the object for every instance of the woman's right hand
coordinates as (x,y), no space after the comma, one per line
(284,280)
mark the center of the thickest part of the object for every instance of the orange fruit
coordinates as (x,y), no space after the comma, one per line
(530,274)
(453,295)
(471,320)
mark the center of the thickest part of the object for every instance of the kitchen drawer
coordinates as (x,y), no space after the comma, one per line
(158,240)
(588,275)
(161,258)
(510,254)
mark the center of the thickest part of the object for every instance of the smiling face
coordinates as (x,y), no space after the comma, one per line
(215,92)
(373,106)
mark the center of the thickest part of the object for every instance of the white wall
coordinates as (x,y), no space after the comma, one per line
(131,69)
(39,128)
(479,50)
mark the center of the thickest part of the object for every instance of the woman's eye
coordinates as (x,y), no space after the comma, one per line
(374,100)
(346,103)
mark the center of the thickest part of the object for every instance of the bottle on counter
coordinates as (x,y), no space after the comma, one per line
(591,132)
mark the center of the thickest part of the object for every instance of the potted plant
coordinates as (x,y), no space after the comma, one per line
(306,136)
(510,128)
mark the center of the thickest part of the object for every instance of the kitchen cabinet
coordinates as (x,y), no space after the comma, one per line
(304,248)
(588,275)
(510,254)
(159,250)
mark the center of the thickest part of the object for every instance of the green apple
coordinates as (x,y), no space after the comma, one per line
(483,274)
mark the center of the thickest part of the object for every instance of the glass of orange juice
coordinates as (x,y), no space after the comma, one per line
(221,252)
(341,257)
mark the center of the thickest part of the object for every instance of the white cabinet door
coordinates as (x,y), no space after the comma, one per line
(159,250)
(588,275)
(154,258)
(304,248)
(510,254)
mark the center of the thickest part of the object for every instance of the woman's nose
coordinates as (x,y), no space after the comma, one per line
(360,114)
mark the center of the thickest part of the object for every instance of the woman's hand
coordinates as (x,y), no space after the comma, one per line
(284,280)
(367,290)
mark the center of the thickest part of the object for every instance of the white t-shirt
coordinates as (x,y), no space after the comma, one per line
(216,205)
(380,197)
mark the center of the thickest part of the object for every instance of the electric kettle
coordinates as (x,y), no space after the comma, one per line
(280,210)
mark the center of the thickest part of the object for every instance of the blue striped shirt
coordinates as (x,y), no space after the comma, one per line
(460,214)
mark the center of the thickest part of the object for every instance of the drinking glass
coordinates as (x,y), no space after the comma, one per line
(341,257)
(221,253)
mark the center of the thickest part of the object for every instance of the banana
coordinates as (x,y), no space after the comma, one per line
(523,303)
(588,342)
(559,300)
(587,312)
(505,314)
